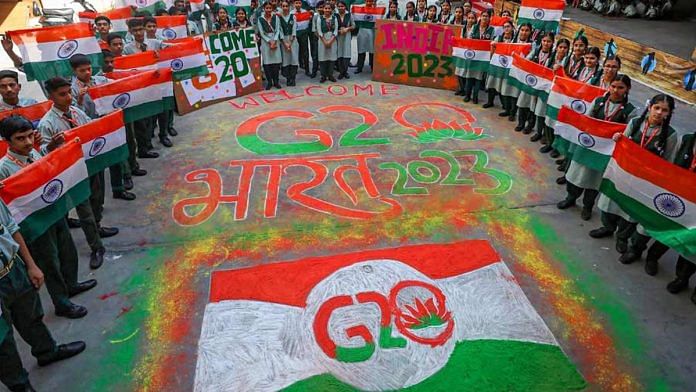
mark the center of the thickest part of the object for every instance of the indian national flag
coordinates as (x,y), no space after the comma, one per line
(185,58)
(103,141)
(43,192)
(572,93)
(117,16)
(497,23)
(143,61)
(428,317)
(33,113)
(542,14)
(147,5)
(171,27)
(46,51)
(472,54)
(303,19)
(501,59)
(140,96)
(197,8)
(232,5)
(365,17)
(590,138)
(659,195)
(530,77)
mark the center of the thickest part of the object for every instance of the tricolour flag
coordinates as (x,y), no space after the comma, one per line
(147,5)
(572,93)
(423,316)
(589,139)
(171,27)
(46,51)
(365,17)
(530,77)
(185,58)
(118,17)
(142,61)
(501,59)
(140,96)
(103,141)
(33,113)
(542,14)
(232,5)
(43,192)
(659,195)
(497,24)
(302,20)
(197,8)
(472,54)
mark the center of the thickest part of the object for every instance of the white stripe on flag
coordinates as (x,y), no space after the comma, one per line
(26,205)
(558,100)
(470,54)
(173,32)
(111,141)
(499,60)
(366,17)
(150,93)
(301,25)
(183,63)
(540,14)
(533,81)
(34,52)
(597,144)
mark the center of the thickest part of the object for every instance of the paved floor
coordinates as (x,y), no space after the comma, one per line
(619,326)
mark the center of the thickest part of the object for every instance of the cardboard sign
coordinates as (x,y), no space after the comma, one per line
(417,54)
(235,70)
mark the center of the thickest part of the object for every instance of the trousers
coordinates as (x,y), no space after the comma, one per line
(91,211)
(574,192)
(621,227)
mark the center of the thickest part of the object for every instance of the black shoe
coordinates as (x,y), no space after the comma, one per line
(74,223)
(307,73)
(621,246)
(519,128)
(128,183)
(139,172)
(172,132)
(602,232)
(586,214)
(72,311)
(331,78)
(322,79)
(268,85)
(106,232)
(63,351)
(124,195)
(475,100)
(559,161)
(512,118)
(487,105)
(628,257)
(277,85)
(346,76)
(563,204)
(651,266)
(148,155)
(545,149)
(467,98)
(504,114)
(561,180)
(527,131)
(554,153)
(535,138)
(351,65)
(166,142)
(677,285)
(96,259)
(340,76)
(313,74)
(561,168)
(83,286)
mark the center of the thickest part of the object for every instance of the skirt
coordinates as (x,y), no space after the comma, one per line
(583,177)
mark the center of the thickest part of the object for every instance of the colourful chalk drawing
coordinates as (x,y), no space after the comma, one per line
(439,130)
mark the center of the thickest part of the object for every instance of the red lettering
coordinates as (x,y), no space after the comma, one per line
(267,97)
(389,41)
(345,90)
(248,101)
(367,88)
(389,89)
(308,91)
(288,95)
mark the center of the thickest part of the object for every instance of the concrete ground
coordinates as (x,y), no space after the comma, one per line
(145,314)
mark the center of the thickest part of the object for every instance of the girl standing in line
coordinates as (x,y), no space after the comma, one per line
(459,17)
(560,60)
(446,16)
(467,32)
(366,39)
(526,103)
(291,49)
(494,84)
(346,25)
(614,107)
(421,10)
(431,15)
(223,21)
(393,13)
(590,72)
(411,14)
(241,21)
(508,92)
(484,31)
(327,30)
(269,32)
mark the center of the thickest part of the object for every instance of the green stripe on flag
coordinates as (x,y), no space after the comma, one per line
(661,228)
(152,9)
(39,221)
(45,70)
(110,158)
(591,159)
(527,88)
(190,72)
(365,25)
(498,72)
(539,24)
(471,65)
(552,112)
(144,110)
(169,103)
(483,365)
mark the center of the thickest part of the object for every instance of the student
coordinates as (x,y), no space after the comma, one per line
(290,48)
(327,31)
(151,28)
(241,21)
(366,40)
(467,32)
(610,69)
(653,132)
(115,44)
(103,25)
(590,72)
(302,38)
(494,84)
(459,17)
(411,14)
(223,22)
(467,7)
(431,15)
(445,16)
(577,59)
(9,89)
(314,40)
(346,25)
(614,107)
(484,31)
(269,31)
(107,61)
(20,278)
(543,132)
(393,13)
(54,250)
(508,92)
(526,103)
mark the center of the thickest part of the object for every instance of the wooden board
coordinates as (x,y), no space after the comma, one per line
(669,72)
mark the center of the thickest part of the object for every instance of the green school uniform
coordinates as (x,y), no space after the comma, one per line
(476,33)
(269,30)
(327,28)
(344,40)
(288,33)
(494,82)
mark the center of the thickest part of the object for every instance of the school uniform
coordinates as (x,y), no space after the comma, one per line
(272,59)
(302,38)
(22,102)
(422,16)
(54,251)
(467,32)
(445,18)
(344,43)
(473,78)
(327,28)
(588,75)
(494,84)
(510,93)
(392,17)
(614,219)
(313,45)
(219,26)
(366,43)
(527,103)
(582,179)
(414,18)
(288,34)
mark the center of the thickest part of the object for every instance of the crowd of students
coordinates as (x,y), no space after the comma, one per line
(285,46)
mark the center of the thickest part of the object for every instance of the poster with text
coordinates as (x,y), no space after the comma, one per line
(235,70)
(417,54)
